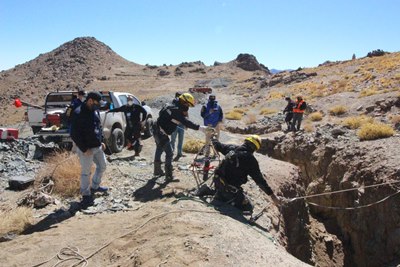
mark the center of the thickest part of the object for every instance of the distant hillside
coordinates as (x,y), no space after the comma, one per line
(90,64)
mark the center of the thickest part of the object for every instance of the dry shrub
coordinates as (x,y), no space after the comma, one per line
(337,110)
(251,118)
(233,115)
(395,119)
(15,220)
(193,145)
(357,122)
(267,111)
(65,170)
(275,95)
(308,127)
(240,110)
(315,116)
(372,131)
(368,92)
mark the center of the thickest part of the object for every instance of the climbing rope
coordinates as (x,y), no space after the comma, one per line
(347,190)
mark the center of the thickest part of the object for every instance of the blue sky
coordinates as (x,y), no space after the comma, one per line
(281,34)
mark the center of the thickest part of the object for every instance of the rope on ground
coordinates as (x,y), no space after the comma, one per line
(76,256)
(347,190)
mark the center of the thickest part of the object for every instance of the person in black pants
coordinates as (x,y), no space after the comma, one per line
(169,118)
(231,174)
(289,112)
(133,128)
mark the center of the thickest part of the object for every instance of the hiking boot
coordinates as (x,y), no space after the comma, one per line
(168,173)
(157,169)
(86,202)
(101,189)
(177,157)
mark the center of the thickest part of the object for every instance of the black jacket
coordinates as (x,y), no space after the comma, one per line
(132,114)
(289,108)
(172,115)
(242,164)
(86,130)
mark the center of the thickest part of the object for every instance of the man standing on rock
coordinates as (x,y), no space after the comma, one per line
(289,112)
(298,111)
(169,118)
(133,128)
(87,133)
(231,174)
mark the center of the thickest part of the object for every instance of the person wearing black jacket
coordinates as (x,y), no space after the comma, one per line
(289,112)
(169,118)
(231,174)
(87,133)
(133,123)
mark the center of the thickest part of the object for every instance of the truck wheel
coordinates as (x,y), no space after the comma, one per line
(117,141)
(148,130)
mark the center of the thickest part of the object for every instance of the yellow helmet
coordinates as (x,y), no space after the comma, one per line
(187,99)
(255,139)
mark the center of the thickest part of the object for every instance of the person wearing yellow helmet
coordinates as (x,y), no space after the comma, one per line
(170,116)
(187,100)
(231,174)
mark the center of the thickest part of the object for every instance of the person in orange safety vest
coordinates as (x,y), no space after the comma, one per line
(298,111)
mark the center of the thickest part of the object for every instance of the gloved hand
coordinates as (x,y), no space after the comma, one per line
(203,129)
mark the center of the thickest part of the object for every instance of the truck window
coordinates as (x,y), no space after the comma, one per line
(123,99)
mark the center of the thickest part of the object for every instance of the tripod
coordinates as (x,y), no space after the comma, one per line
(205,161)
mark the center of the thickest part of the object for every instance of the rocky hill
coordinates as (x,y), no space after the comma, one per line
(333,152)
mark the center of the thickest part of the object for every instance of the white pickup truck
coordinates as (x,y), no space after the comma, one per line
(55,122)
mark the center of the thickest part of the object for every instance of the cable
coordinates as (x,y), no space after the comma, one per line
(340,191)
(354,208)
(347,190)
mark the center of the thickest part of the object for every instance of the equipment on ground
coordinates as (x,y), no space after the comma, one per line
(205,162)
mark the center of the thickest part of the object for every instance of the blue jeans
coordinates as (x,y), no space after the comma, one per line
(99,158)
(168,153)
(180,131)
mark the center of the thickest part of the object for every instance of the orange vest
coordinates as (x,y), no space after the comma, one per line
(297,109)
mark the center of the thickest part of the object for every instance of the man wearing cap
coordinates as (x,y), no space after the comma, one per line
(232,172)
(212,115)
(87,133)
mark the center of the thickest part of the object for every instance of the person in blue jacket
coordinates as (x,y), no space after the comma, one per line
(213,116)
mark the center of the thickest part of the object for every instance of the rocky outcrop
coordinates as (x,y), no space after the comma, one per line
(249,63)
(287,78)
(331,162)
